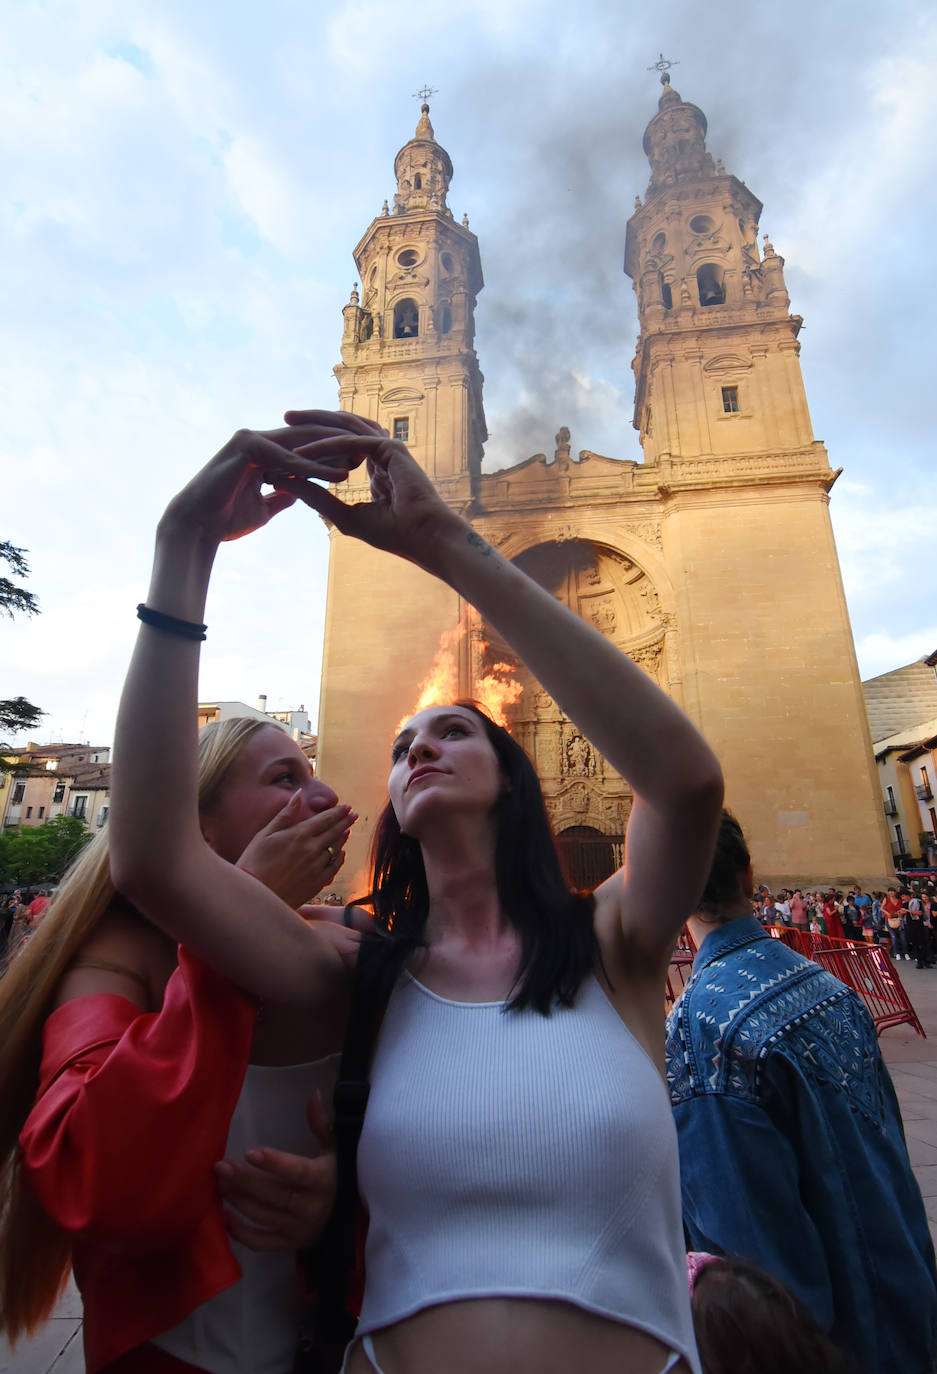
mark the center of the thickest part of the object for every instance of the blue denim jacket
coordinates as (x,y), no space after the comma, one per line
(792,1150)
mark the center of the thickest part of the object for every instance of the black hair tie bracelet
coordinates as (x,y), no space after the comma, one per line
(170,624)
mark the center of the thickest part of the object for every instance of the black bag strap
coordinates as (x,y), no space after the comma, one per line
(330,1263)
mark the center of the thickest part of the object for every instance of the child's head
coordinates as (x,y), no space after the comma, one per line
(746,1322)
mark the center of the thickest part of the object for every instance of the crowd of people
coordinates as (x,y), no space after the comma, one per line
(20,914)
(170,1035)
(903,920)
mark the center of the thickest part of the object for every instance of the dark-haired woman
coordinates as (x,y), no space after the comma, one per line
(518,1159)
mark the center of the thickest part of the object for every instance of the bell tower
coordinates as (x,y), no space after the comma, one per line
(768,664)
(408,357)
(409,362)
(716,367)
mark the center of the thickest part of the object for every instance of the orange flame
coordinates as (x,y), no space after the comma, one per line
(494,692)
(497,690)
(441,683)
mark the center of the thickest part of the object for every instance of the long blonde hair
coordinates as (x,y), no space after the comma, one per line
(35,1253)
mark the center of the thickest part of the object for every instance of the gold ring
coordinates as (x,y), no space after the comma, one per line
(331,853)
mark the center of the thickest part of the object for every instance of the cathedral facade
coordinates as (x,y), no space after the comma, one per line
(711,562)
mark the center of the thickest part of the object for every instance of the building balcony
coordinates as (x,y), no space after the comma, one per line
(890,808)
(923,791)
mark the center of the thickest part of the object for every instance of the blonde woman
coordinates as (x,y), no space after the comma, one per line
(124,1070)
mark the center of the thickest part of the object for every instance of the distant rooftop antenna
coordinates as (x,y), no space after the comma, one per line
(663,66)
(424,94)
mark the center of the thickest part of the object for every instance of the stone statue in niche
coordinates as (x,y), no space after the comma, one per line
(592,577)
(578,798)
(580,758)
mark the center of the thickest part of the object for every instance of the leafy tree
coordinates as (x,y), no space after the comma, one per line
(16,713)
(34,854)
(15,600)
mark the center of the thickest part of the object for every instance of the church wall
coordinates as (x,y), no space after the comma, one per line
(770,677)
(382,633)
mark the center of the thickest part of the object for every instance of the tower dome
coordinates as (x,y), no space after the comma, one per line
(423,170)
(675,140)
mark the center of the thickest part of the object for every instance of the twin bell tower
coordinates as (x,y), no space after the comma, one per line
(711,562)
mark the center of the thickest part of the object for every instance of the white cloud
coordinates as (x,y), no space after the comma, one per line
(881,652)
(846,197)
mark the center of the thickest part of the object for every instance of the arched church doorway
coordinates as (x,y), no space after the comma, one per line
(588,856)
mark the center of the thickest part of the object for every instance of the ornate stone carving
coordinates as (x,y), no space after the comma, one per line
(648,657)
(603,617)
(580,757)
(648,531)
(649,596)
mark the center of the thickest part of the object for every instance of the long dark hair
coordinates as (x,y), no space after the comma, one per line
(558,943)
(747,1322)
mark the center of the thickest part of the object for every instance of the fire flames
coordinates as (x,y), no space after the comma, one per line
(494,692)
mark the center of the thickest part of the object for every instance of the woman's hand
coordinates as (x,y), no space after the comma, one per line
(297,857)
(405,515)
(225,500)
(278,1201)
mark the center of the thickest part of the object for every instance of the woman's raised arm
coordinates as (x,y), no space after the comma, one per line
(159,859)
(676,777)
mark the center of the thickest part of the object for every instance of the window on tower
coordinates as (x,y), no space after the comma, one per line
(406,320)
(445,320)
(666,293)
(730,400)
(401,429)
(418,182)
(711,284)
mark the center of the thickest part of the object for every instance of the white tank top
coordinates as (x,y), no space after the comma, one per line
(254,1327)
(508,1154)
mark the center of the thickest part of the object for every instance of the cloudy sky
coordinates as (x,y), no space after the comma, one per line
(183,186)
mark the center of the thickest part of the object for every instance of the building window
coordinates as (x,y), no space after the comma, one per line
(933,819)
(80,807)
(445,323)
(19,792)
(102,815)
(29,812)
(418,182)
(402,429)
(730,400)
(59,792)
(899,839)
(406,320)
(891,808)
(666,293)
(42,812)
(710,283)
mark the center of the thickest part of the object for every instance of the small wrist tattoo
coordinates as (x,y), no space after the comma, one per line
(482,545)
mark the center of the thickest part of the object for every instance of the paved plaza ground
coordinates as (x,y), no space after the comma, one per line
(56,1349)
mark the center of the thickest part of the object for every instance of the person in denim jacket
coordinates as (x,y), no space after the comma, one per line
(792,1150)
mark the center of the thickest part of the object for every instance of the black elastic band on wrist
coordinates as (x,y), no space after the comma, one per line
(170,624)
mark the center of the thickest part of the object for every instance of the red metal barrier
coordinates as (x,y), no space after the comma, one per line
(865,968)
(868,970)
